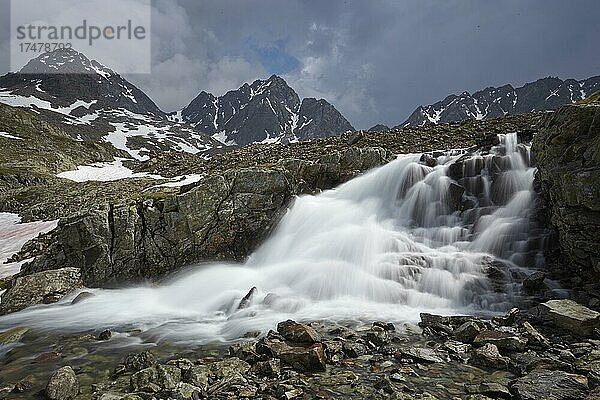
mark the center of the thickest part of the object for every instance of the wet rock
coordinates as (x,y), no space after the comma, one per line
(270,368)
(488,356)
(81,297)
(156,378)
(227,367)
(457,350)
(245,302)
(334,351)
(245,351)
(467,332)
(138,361)
(49,356)
(185,391)
(493,389)
(589,365)
(63,385)
(386,326)
(571,316)
(105,335)
(298,333)
(523,363)
(552,385)
(422,354)
(354,349)
(40,288)
(535,337)
(502,340)
(534,283)
(301,358)
(377,337)
(24,385)
(12,335)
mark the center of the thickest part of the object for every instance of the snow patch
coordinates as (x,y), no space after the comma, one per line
(9,136)
(13,236)
(104,172)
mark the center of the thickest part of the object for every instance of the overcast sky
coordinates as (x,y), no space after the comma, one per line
(374,60)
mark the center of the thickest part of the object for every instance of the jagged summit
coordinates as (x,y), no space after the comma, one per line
(65,76)
(542,95)
(265,111)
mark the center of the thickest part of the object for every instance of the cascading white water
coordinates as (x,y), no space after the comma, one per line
(400,240)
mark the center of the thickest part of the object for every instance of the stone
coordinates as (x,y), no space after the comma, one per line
(551,385)
(422,354)
(105,335)
(298,333)
(503,340)
(185,391)
(40,288)
(138,361)
(162,376)
(300,358)
(571,316)
(467,332)
(270,368)
(63,385)
(535,337)
(12,335)
(245,302)
(81,297)
(227,367)
(493,389)
(354,349)
(534,283)
(488,356)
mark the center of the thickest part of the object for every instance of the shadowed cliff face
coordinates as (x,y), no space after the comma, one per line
(568,154)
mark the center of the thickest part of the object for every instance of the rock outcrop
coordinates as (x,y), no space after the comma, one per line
(42,287)
(223,217)
(567,150)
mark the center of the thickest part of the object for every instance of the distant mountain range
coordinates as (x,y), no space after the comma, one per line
(542,95)
(96,103)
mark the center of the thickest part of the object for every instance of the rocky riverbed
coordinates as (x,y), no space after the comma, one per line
(551,351)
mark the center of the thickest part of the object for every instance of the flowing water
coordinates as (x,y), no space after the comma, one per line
(397,241)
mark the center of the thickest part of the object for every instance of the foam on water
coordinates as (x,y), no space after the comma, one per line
(387,245)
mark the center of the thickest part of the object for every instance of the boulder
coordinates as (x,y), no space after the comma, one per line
(138,361)
(571,316)
(503,340)
(467,332)
(298,333)
(63,385)
(40,288)
(488,356)
(301,358)
(534,283)
(550,385)
(422,354)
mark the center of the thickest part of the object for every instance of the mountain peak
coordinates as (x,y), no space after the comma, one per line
(266,111)
(65,61)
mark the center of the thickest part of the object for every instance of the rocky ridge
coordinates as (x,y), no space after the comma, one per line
(542,95)
(266,111)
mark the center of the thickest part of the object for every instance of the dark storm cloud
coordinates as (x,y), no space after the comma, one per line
(375,60)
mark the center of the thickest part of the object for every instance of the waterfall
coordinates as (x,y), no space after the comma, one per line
(445,232)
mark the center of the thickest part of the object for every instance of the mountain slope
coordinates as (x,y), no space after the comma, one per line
(542,95)
(93,103)
(266,111)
